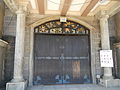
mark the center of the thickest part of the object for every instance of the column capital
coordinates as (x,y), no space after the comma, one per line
(21,9)
(103,14)
(17,5)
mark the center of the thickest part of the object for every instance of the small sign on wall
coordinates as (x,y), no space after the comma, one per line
(106,58)
(63,19)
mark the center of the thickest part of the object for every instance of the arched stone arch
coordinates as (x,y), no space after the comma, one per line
(46,19)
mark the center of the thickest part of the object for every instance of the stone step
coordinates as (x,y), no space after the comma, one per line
(71,87)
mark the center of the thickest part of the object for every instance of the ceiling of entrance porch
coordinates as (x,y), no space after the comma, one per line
(70,7)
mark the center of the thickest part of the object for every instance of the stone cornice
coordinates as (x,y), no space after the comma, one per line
(112,8)
(3,43)
(117,45)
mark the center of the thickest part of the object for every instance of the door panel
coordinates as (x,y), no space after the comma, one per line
(76,59)
(47,64)
(61,59)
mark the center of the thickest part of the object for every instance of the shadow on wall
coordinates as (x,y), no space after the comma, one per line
(3,48)
(9,59)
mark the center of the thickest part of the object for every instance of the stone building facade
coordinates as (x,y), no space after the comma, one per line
(18,63)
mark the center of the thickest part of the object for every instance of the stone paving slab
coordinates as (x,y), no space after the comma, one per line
(71,87)
(2,88)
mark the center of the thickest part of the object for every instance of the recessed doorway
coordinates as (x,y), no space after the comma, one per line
(61,58)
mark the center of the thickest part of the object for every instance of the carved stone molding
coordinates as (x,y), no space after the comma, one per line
(11,4)
(14,5)
(50,18)
(102,14)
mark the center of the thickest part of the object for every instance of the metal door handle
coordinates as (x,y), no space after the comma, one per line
(62,57)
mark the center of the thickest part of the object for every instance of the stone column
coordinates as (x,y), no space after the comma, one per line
(105,43)
(107,79)
(18,83)
(19,46)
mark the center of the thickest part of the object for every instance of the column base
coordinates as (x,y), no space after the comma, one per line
(16,85)
(110,82)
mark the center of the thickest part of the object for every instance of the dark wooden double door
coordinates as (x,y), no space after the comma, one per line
(61,59)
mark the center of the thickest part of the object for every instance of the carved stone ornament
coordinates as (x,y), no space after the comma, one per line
(16,6)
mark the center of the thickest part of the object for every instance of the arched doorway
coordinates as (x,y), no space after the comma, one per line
(61,53)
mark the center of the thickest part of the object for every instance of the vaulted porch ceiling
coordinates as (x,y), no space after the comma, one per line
(70,7)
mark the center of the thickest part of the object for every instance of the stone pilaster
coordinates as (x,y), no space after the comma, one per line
(105,43)
(18,80)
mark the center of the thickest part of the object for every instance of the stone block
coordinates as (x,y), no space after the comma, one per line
(110,83)
(16,85)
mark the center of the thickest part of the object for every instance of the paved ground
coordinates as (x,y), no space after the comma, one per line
(71,87)
(2,88)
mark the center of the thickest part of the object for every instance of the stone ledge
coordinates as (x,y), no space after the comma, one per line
(3,43)
(16,85)
(110,83)
(117,44)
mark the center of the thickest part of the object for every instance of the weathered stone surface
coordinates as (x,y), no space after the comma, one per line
(110,82)
(2,12)
(72,87)
(9,23)
(95,47)
(114,30)
(9,59)
(16,85)
(117,22)
(3,47)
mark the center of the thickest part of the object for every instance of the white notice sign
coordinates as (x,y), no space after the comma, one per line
(63,19)
(106,58)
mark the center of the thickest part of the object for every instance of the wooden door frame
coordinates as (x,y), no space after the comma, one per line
(92,55)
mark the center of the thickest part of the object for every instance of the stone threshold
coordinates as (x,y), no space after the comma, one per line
(71,87)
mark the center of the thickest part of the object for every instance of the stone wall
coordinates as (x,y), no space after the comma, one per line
(9,59)
(9,36)
(117,22)
(112,27)
(117,46)
(2,43)
(26,54)
(9,23)
(114,30)
(95,48)
(2,12)
(3,47)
